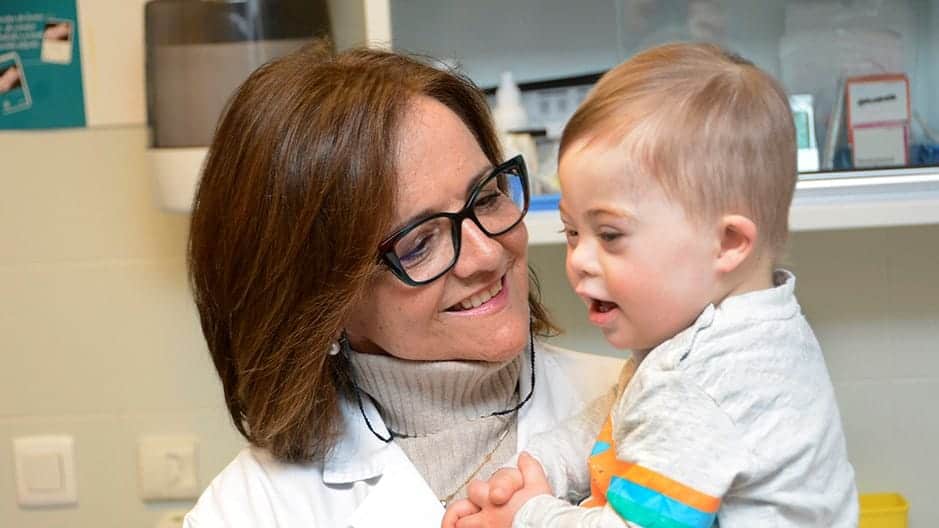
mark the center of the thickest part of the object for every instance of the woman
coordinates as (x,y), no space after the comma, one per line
(358,258)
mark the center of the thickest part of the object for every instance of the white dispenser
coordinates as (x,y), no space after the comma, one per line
(198,52)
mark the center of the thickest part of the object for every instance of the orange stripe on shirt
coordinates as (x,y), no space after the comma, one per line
(604,466)
(670,488)
(606,432)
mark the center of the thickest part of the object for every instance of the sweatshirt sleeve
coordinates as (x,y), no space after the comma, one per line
(564,451)
(545,511)
(674,455)
(677,453)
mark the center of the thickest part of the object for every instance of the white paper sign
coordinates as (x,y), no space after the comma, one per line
(878,102)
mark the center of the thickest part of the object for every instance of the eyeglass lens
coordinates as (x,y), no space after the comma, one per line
(430,247)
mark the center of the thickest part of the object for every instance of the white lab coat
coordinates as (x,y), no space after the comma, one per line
(369,484)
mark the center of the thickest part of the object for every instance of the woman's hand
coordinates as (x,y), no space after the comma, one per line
(456,511)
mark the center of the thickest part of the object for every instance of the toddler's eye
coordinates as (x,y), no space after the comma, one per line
(609,236)
(569,234)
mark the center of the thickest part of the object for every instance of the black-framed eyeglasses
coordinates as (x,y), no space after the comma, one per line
(425,249)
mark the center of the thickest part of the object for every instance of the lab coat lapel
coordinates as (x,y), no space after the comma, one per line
(400,495)
(360,455)
(400,498)
(552,400)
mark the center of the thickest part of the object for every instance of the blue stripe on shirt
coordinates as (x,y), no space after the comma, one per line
(624,495)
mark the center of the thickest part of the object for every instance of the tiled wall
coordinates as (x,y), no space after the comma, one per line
(872,297)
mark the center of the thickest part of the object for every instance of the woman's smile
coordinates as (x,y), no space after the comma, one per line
(487,300)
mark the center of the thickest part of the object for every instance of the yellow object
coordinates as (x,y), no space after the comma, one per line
(883,510)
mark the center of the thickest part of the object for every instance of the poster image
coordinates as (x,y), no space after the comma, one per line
(14,91)
(40,65)
(57,41)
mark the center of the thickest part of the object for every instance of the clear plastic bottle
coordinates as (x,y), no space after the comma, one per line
(509,113)
(511,119)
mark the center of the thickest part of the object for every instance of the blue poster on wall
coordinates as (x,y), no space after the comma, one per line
(40,65)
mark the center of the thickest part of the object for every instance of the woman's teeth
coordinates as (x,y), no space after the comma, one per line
(480,298)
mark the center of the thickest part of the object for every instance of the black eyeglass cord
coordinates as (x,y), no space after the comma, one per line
(344,343)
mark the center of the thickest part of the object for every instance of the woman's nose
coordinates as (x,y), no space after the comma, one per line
(478,251)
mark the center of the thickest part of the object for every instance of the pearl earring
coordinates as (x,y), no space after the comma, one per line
(334,348)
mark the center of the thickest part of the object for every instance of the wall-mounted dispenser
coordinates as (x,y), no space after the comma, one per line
(198,52)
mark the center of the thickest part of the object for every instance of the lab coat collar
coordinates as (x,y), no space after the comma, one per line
(537,415)
(359,455)
(400,498)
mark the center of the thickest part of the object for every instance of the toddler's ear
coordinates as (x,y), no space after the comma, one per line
(738,238)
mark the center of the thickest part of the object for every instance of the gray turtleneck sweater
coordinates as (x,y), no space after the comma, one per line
(442,409)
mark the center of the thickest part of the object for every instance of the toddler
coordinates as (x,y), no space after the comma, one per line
(677,174)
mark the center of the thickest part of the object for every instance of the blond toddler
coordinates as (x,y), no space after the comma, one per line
(677,174)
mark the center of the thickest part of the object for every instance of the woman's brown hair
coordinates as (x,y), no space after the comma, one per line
(296,195)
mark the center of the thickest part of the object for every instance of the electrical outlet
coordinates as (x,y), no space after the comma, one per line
(166,467)
(45,470)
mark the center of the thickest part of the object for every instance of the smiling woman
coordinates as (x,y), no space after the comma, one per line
(428,322)
(358,257)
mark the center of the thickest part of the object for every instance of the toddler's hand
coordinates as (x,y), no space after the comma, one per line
(536,482)
(503,484)
(491,515)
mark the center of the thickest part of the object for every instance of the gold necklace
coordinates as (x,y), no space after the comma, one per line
(505,432)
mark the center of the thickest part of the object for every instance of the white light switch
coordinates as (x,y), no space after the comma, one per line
(166,467)
(45,470)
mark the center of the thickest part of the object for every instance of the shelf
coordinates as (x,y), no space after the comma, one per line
(828,201)
(833,200)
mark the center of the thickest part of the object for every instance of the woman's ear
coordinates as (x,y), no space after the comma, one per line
(738,238)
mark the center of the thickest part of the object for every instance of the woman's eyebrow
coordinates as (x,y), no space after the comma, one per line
(478,178)
(426,212)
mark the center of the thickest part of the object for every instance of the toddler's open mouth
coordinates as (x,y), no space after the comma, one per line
(597,305)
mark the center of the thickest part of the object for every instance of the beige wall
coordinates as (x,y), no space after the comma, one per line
(98,336)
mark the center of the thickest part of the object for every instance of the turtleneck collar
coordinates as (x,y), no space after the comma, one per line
(419,398)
